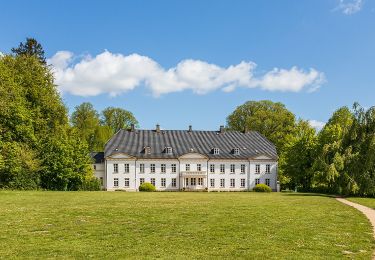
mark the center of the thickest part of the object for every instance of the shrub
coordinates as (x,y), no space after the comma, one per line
(262,188)
(91,184)
(146,186)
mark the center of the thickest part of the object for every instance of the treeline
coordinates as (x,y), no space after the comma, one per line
(339,159)
(39,148)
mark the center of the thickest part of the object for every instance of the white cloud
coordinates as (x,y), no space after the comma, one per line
(116,73)
(317,124)
(349,7)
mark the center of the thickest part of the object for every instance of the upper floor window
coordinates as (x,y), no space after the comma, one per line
(216,151)
(199,167)
(222,168)
(163,168)
(268,168)
(152,168)
(168,150)
(187,167)
(232,168)
(243,168)
(212,168)
(257,168)
(174,168)
(142,168)
(115,168)
(236,151)
(126,168)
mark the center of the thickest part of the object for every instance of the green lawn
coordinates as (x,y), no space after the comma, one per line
(179,225)
(369,202)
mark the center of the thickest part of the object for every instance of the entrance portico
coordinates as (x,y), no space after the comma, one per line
(194,180)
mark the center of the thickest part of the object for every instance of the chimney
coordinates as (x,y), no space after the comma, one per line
(222,129)
(190,128)
(157,128)
(132,127)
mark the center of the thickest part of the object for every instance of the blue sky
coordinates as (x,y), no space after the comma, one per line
(193,62)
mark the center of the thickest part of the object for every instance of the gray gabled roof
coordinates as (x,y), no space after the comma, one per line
(98,157)
(184,141)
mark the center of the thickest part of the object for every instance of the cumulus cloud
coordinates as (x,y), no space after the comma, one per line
(116,73)
(349,7)
(317,124)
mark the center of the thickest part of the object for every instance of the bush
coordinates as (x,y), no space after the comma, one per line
(262,188)
(146,186)
(91,184)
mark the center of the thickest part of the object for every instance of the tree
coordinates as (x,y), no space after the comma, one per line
(270,119)
(117,118)
(86,120)
(31,47)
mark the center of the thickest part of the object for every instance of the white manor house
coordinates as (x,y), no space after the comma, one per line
(178,160)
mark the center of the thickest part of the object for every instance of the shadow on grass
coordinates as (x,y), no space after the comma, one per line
(308,194)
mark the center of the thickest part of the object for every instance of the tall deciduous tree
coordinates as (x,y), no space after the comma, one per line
(117,118)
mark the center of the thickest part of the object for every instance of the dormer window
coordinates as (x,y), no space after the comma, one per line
(168,150)
(216,151)
(236,151)
(147,150)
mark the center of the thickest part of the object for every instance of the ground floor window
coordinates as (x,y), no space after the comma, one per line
(257,181)
(187,182)
(212,183)
(141,181)
(200,181)
(115,182)
(126,182)
(153,181)
(268,182)
(174,182)
(222,183)
(232,183)
(242,183)
(193,181)
(163,182)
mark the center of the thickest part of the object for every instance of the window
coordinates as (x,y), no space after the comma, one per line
(141,181)
(147,150)
(153,181)
(212,183)
(126,170)
(232,168)
(174,168)
(101,181)
(242,183)
(115,168)
(152,168)
(174,182)
(268,182)
(200,181)
(142,168)
(216,151)
(168,150)
(232,183)
(243,168)
(163,182)
(222,168)
(115,182)
(212,168)
(126,182)
(222,183)
(193,181)
(236,151)
(187,182)
(257,168)
(187,167)
(163,168)
(94,167)
(199,167)
(268,168)
(257,181)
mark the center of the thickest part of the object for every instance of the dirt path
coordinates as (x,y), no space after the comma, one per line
(369,213)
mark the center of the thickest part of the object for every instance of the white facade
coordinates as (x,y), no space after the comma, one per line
(192,171)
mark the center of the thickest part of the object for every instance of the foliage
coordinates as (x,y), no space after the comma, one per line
(262,188)
(90,184)
(117,118)
(146,186)
(30,48)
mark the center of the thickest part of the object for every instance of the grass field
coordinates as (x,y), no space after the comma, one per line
(179,225)
(369,202)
